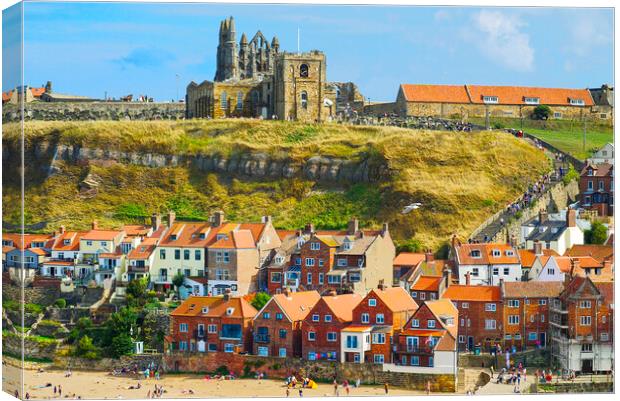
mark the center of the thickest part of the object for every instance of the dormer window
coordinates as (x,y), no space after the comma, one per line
(490,99)
(300,242)
(347,246)
(202,236)
(510,253)
(67,242)
(229,311)
(577,102)
(221,236)
(279,260)
(173,237)
(590,172)
(496,253)
(531,100)
(475,253)
(205,309)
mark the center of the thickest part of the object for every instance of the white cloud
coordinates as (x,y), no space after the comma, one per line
(500,38)
(587,32)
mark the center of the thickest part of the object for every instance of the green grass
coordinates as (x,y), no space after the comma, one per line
(566,135)
(459,178)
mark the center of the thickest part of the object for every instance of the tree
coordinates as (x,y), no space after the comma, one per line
(541,112)
(86,349)
(597,234)
(121,345)
(409,245)
(136,291)
(178,281)
(260,300)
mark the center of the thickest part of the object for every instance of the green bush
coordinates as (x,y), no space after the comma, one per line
(33,308)
(11,305)
(260,300)
(597,234)
(61,303)
(46,322)
(498,125)
(541,112)
(571,175)
(409,245)
(86,349)
(222,370)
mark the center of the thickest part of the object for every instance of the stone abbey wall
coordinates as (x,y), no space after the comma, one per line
(87,111)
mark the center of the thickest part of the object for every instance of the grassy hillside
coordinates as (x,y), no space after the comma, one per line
(459,178)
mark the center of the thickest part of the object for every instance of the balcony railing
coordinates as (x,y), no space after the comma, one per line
(262,338)
(415,349)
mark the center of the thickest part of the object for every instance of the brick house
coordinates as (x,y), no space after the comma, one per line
(278,325)
(426,288)
(597,189)
(526,312)
(321,328)
(370,336)
(480,315)
(349,261)
(405,264)
(429,339)
(487,263)
(211,324)
(582,325)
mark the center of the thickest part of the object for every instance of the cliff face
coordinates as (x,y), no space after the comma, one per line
(251,165)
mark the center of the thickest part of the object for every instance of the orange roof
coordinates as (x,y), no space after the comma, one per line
(201,235)
(342,305)
(528,256)
(25,241)
(59,262)
(108,255)
(397,299)
(37,92)
(517,94)
(565,263)
(444,308)
(215,307)
(236,239)
(409,259)
(356,328)
(6,96)
(296,305)
(101,235)
(136,229)
(598,252)
(532,289)
(59,244)
(482,293)
(435,93)
(465,252)
(6,248)
(38,251)
(143,250)
(427,283)
(423,333)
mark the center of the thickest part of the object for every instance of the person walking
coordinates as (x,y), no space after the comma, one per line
(301,392)
(491,368)
(386,387)
(428,387)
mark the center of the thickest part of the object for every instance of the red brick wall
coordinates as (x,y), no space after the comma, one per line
(272,287)
(213,338)
(477,316)
(325,253)
(321,328)
(526,312)
(292,340)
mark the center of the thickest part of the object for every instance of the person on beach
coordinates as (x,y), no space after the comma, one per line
(288,392)
(386,387)
(301,392)
(59,391)
(428,387)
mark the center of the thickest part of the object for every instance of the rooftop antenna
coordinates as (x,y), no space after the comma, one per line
(298,52)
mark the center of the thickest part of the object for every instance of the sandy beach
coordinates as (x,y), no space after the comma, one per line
(101,385)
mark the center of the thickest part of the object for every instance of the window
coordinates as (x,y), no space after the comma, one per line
(496,271)
(431,362)
(311,336)
(212,347)
(490,307)
(321,278)
(328,318)
(506,271)
(239,100)
(351,341)
(304,99)
(590,185)
(342,262)
(332,336)
(489,324)
(430,324)
(422,295)
(309,261)
(212,328)
(266,315)
(461,339)
(365,318)
(222,274)
(531,100)
(542,318)
(414,294)
(183,327)
(513,319)
(604,336)
(333,279)
(496,253)
(282,352)
(517,336)
(276,277)
(577,102)
(465,305)
(316,318)
(183,345)
(532,336)
(462,322)
(303,70)
(557,114)
(177,254)
(542,302)
(321,262)
(372,302)
(490,99)
(229,347)
(586,347)
(415,323)
(309,278)
(186,254)
(380,319)
(282,333)
(603,319)
(223,100)
(601,185)
(415,360)
(513,303)
(585,320)
(315,246)
(475,253)
(585,304)
(378,338)
(297,261)
(379,358)
(474,272)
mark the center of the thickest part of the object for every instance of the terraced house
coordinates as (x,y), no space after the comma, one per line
(596,186)
(351,261)
(211,324)
(321,328)
(376,319)
(486,264)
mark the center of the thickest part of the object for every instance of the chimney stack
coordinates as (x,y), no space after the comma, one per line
(447,273)
(171,216)
(227,294)
(542,216)
(538,250)
(48,87)
(287,292)
(62,230)
(385,229)
(428,256)
(310,228)
(217,219)
(571,218)
(266,219)
(155,221)
(353,227)
(468,278)
(94,225)
(381,285)
(574,266)
(513,240)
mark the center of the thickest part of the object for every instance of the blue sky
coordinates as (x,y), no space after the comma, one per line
(121,48)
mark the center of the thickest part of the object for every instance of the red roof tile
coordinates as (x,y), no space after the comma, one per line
(517,94)
(481,293)
(435,93)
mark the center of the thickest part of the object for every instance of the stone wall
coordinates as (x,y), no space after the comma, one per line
(84,111)
(33,347)
(251,165)
(39,295)
(317,370)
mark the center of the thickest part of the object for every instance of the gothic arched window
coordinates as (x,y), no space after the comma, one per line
(304,99)
(223,100)
(303,70)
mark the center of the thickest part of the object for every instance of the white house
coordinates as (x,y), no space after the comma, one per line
(557,232)
(486,264)
(603,155)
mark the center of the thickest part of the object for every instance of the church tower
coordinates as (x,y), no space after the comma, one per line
(227,52)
